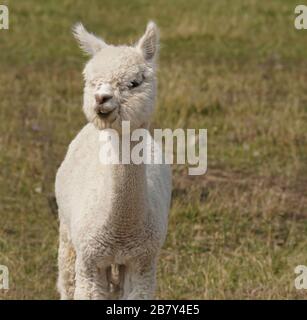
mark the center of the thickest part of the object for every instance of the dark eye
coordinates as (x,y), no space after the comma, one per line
(134,84)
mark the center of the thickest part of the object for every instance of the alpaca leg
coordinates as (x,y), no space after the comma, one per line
(142,280)
(91,281)
(66,263)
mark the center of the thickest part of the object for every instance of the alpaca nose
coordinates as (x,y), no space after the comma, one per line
(102,98)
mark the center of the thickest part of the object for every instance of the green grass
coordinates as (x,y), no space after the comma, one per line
(236,68)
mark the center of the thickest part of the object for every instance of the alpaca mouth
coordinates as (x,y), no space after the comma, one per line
(109,117)
(102,115)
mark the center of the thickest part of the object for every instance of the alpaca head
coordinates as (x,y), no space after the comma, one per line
(120,81)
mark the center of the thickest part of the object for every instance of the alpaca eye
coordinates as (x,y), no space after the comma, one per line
(133,84)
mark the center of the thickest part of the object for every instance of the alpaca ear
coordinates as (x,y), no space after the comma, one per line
(88,42)
(149,43)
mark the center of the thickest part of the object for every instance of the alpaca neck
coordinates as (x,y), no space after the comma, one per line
(129,194)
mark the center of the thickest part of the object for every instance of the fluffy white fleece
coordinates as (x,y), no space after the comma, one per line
(113,218)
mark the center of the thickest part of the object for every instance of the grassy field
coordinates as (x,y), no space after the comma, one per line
(237,68)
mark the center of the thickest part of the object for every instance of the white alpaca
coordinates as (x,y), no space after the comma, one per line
(113,218)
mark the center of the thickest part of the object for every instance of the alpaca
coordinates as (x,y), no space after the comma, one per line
(113,217)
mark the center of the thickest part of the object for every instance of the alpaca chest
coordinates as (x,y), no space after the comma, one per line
(117,244)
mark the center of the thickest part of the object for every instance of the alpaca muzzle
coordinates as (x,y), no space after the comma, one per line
(103,111)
